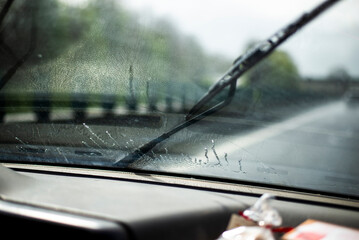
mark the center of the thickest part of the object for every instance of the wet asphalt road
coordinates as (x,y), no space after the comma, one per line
(325,138)
(316,149)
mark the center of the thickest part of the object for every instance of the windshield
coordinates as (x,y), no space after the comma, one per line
(87,83)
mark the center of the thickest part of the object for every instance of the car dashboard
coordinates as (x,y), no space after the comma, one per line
(42,201)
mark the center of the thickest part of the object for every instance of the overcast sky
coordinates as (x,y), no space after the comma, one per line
(226,26)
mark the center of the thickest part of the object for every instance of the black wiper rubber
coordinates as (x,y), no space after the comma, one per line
(239,67)
(137,154)
(257,53)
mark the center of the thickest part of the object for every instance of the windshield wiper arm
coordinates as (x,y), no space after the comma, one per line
(239,67)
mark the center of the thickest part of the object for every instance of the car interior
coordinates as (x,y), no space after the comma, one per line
(89,148)
(42,201)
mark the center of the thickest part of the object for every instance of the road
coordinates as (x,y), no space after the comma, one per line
(326,137)
(317,149)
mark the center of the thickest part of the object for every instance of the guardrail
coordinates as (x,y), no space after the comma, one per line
(245,100)
(42,105)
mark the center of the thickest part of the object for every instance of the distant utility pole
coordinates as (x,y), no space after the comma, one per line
(131,98)
(169,100)
(151,99)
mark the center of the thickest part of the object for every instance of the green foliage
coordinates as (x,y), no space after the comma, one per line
(89,49)
(277,71)
(55,27)
(339,74)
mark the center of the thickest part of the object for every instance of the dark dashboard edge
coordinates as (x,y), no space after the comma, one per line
(177,181)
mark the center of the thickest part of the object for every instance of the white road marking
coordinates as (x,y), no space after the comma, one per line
(244,141)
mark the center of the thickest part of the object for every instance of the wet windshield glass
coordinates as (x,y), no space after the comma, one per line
(88,82)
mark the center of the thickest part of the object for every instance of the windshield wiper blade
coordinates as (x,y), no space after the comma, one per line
(239,67)
(144,149)
(256,54)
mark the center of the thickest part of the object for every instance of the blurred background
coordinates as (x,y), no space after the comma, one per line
(163,55)
(105,77)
